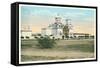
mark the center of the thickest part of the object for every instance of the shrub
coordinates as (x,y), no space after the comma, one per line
(35,37)
(53,37)
(27,37)
(92,37)
(22,37)
(45,42)
(63,37)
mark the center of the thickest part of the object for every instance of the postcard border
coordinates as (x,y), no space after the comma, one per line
(16,37)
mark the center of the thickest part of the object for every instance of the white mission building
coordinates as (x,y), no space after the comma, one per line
(56,29)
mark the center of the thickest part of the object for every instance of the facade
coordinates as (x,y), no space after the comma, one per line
(46,31)
(26,32)
(81,35)
(54,29)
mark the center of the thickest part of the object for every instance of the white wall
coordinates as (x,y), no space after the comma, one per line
(5,34)
(24,34)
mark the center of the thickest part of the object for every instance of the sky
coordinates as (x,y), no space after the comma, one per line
(82,19)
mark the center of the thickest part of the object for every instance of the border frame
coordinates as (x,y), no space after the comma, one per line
(15,32)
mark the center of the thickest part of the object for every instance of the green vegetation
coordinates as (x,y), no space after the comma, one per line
(45,42)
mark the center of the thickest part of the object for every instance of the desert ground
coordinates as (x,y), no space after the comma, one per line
(63,49)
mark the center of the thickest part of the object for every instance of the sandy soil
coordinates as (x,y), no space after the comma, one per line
(59,52)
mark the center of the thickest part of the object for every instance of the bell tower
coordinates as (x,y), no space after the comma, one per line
(57,19)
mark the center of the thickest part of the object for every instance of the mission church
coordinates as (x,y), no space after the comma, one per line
(58,29)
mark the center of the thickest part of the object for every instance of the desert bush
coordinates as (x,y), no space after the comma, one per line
(22,37)
(45,42)
(27,37)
